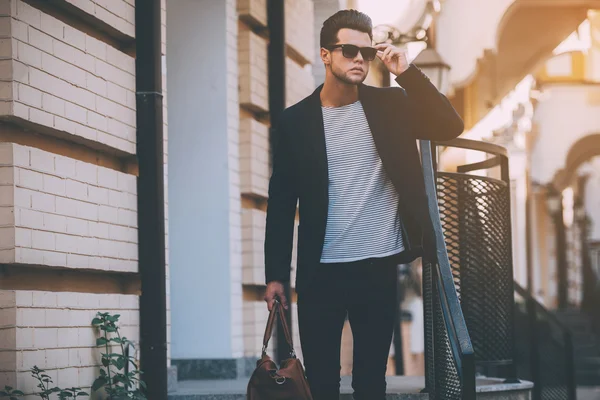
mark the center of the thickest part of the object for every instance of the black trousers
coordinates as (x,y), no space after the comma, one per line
(365,292)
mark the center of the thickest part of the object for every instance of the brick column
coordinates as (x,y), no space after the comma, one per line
(68,201)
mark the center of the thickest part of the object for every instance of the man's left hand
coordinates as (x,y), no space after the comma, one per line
(393,58)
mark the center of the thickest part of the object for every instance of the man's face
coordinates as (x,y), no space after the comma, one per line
(349,70)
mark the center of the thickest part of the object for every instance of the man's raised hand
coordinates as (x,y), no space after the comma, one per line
(394,58)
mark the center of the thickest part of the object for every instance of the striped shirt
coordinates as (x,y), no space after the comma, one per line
(363,218)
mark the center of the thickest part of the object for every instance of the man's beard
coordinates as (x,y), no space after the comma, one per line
(344,78)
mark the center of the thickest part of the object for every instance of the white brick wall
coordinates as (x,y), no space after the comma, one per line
(7,214)
(253,239)
(294,256)
(253,73)
(8,338)
(54,332)
(256,316)
(295,332)
(59,211)
(72,214)
(120,14)
(299,21)
(253,11)
(254,145)
(299,81)
(67,80)
(254,157)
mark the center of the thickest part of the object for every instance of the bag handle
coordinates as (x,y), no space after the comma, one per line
(277,310)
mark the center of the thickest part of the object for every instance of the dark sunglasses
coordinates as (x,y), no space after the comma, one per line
(350,51)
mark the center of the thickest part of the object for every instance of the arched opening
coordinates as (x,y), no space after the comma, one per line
(583,150)
(579,219)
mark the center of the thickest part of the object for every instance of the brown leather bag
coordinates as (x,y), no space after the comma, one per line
(286,383)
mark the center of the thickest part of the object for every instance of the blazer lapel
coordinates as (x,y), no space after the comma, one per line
(382,130)
(315,132)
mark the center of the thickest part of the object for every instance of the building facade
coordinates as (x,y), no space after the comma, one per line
(68,210)
(68,202)
(542,106)
(68,191)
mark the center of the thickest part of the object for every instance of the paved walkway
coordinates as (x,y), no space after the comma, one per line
(395,385)
(399,387)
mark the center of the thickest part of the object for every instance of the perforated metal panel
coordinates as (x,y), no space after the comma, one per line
(429,331)
(447,380)
(475,216)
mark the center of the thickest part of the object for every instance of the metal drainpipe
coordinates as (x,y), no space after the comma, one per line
(151,201)
(276,65)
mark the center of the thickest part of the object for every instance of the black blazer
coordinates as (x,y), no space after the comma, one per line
(396,117)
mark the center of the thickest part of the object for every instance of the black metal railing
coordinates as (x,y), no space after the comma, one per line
(449,354)
(476,220)
(544,350)
(591,282)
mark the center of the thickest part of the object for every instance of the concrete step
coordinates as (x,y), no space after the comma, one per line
(588,393)
(399,388)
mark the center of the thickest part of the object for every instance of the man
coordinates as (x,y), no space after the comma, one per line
(348,153)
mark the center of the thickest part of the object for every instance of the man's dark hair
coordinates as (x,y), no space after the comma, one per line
(351,19)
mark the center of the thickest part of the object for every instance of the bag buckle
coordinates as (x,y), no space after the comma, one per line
(280,380)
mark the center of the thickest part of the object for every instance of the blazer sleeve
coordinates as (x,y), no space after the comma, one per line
(432,116)
(281,210)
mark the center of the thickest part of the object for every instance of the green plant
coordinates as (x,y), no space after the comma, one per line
(122,383)
(71,393)
(119,384)
(44,384)
(10,393)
